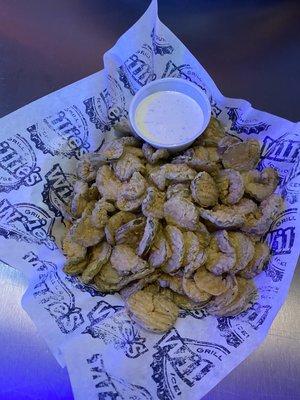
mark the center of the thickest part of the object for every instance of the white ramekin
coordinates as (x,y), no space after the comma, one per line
(178,85)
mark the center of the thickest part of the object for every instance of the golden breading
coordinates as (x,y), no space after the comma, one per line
(258,223)
(125,167)
(72,250)
(242,156)
(155,313)
(220,302)
(179,189)
(99,217)
(171,172)
(140,284)
(241,301)
(210,283)
(115,222)
(107,183)
(204,190)
(230,185)
(152,155)
(244,250)
(111,150)
(226,142)
(99,256)
(160,250)
(124,204)
(260,185)
(125,261)
(212,134)
(131,232)
(134,188)
(173,282)
(153,203)
(151,228)
(181,212)
(223,217)
(176,242)
(84,233)
(73,269)
(259,260)
(193,292)
(221,255)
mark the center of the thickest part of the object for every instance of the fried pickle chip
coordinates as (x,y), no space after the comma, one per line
(125,261)
(115,222)
(181,212)
(107,183)
(204,190)
(180,190)
(153,155)
(72,250)
(226,142)
(87,166)
(223,217)
(258,223)
(240,302)
(155,313)
(131,232)
(260,185)
(221,255)
(176,242)
(73,269)
(139,284)
(171,172)
(153,203)
(99,217)
(125,167)
(244,249)
(99,256)
(212,134)
(151,228)
(259,260)
(124,204)
(160,251)
(200,159)
(193,292)
(84,233)
(230,185)
(134,188)
(210,283)
(173,282)
(223,300)
(242,156)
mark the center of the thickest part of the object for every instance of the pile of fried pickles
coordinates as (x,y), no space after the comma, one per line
(172,231)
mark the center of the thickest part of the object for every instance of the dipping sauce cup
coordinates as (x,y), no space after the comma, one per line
(169,113)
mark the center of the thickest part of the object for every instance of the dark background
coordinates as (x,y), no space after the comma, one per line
(250,48)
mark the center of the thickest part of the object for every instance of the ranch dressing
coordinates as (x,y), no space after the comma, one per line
(169,117)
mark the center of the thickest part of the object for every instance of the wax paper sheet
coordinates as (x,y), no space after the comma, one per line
(107,355)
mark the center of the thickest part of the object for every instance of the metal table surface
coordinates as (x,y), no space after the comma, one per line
(251,49)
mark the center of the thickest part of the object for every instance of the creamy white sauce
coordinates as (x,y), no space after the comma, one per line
(169,117)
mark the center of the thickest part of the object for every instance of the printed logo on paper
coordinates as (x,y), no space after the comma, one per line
(245,126)
(216,111)
(85,288)
(283,154)
(197,314)
(26,222)
(180,363)
(18,166)
(110,387)
(160,45)
(281,239)
(58,189)
(116,328)
(184,71)
(108,108)
(63,134)
(138,69)
(54,296)
(237,329)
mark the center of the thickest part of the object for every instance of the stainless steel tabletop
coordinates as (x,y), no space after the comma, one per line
(251,49)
